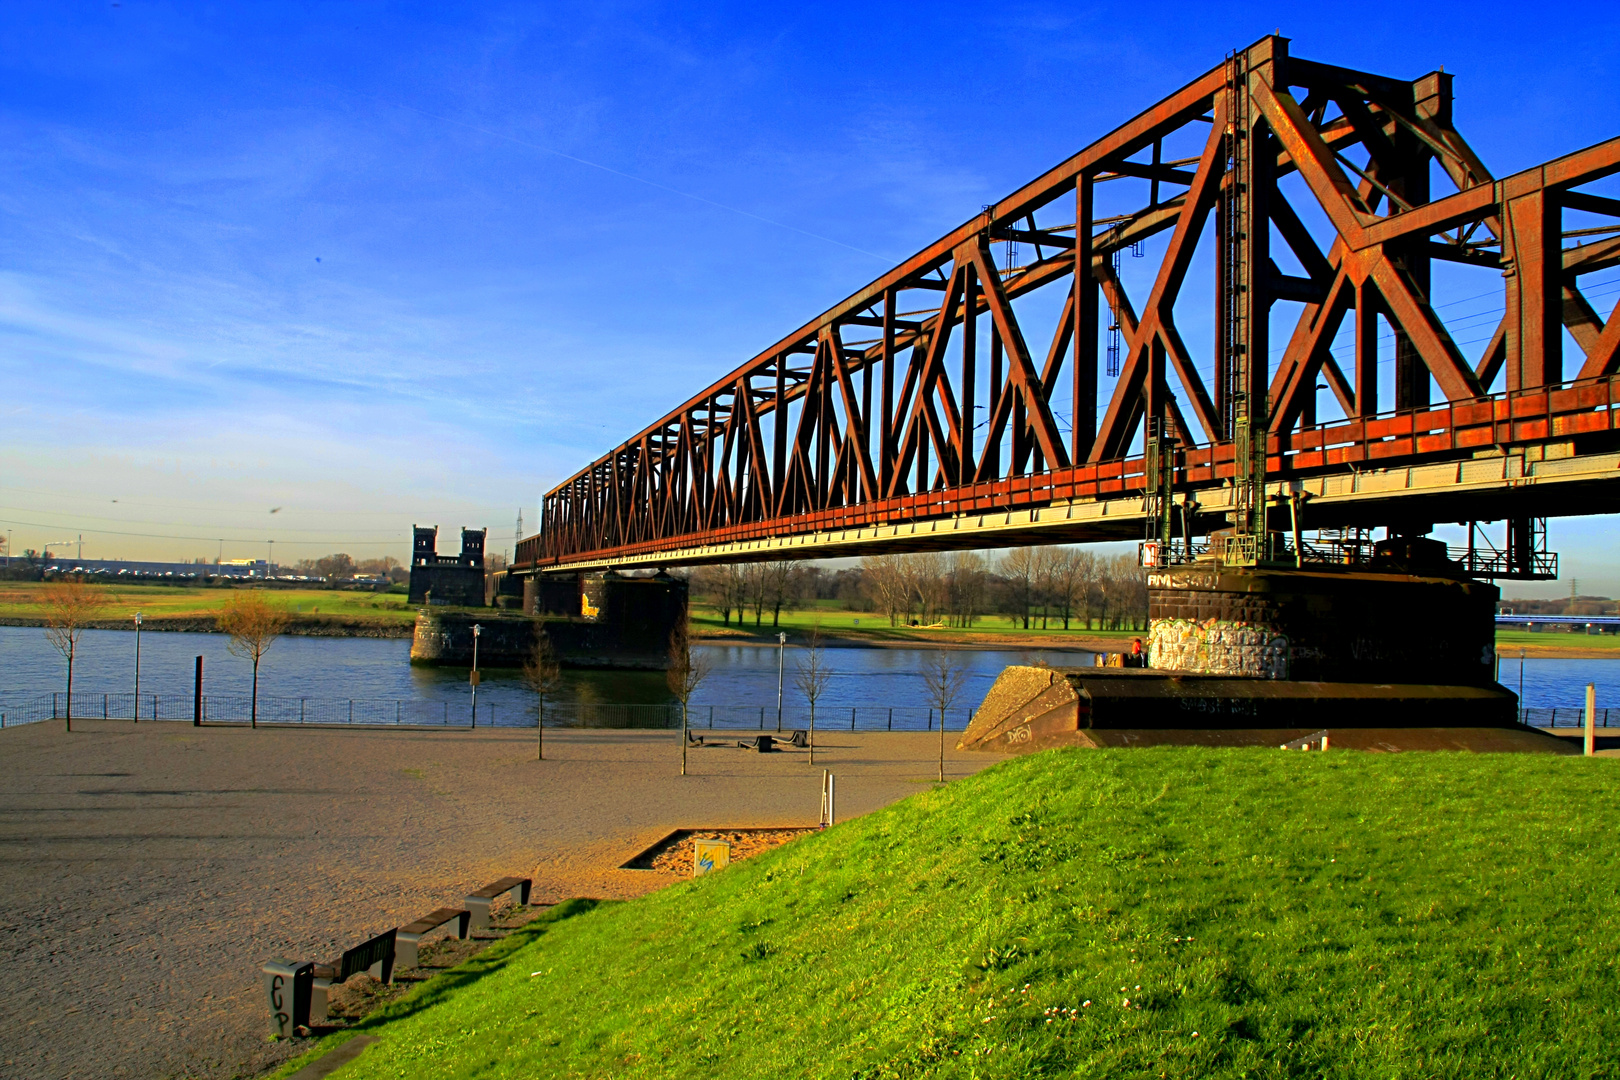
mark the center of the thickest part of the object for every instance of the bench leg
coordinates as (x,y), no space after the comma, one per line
(462,922)
(318,994)
(407,950)
(478,907)
(521,894)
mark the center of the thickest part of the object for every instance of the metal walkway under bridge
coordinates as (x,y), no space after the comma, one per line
(1002,387)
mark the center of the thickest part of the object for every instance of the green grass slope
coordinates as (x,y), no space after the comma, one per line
(1147,913)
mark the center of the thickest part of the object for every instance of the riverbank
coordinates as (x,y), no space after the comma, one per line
(916,637)
(298,625)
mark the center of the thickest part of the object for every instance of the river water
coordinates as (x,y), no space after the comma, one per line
(318,679)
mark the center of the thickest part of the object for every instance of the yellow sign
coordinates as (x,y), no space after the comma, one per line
(476,678)
(585,608)
(709,856)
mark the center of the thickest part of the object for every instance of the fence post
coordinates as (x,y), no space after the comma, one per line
(447,711)
(1591,719)
(104,706)
(301,710)
(891,717)
(396,711)
(351,710)
(930,719)
(852,717)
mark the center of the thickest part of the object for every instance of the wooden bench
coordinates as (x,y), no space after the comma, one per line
(375,957)
(408,942)
(479,903)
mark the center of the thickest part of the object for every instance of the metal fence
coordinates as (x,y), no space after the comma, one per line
(1565,716)
(373,712)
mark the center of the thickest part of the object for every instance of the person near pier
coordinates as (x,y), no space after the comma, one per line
(1136,657)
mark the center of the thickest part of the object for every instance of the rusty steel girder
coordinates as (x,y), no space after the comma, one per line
(885,408)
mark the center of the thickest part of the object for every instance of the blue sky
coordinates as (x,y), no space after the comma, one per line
(378,264)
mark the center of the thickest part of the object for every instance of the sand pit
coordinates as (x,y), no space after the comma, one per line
(147,871)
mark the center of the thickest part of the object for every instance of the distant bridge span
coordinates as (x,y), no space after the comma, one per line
(916,415)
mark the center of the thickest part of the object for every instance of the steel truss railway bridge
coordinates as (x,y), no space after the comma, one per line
(954,402)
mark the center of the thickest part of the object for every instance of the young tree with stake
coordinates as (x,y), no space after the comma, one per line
(542,672)
(686,672)
(69,607)
(254,624)
(811,677)
(943,678)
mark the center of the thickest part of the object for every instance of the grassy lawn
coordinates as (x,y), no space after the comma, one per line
(21,598)
(1509,640)
(1141,913)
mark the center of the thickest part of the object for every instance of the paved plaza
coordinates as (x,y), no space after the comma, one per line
(146,871)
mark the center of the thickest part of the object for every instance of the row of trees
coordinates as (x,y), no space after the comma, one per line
(1044,586)
(342,567)
(72,607)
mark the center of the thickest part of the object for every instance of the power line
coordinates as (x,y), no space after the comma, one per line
(210,539)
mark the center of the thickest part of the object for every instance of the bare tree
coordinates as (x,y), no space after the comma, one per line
(1017,567)
(1071,577)
(253,624)
(811,677)
(943,678)
(542,673)
(685,674)
(966,590)
(887,586)
(69,607)
(758,590)
(927,578)
(780,578)
(339,567)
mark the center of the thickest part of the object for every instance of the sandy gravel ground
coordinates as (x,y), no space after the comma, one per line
(147,871)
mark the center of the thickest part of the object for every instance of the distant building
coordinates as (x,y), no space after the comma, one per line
(457,580)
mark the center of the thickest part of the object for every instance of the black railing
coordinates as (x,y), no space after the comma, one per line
(374,712)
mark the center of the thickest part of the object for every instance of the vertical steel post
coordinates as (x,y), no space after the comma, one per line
(137,709)
(196,698)
(1245,256)
(1083,431)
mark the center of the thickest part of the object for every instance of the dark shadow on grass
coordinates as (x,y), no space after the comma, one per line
(474,968)
(452,981)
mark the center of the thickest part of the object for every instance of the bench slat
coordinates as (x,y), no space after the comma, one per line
(433,920)
(506,884)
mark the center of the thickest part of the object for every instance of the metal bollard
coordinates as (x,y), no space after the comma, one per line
(287,990)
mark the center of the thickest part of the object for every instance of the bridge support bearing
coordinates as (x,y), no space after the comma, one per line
(1322,625)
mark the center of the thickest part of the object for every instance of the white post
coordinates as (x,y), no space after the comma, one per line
(476,631)
(1591,719)
(137,710)
(781,651)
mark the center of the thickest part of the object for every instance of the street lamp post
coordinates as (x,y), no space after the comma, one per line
(476,631)
(137,667)
(781,650)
